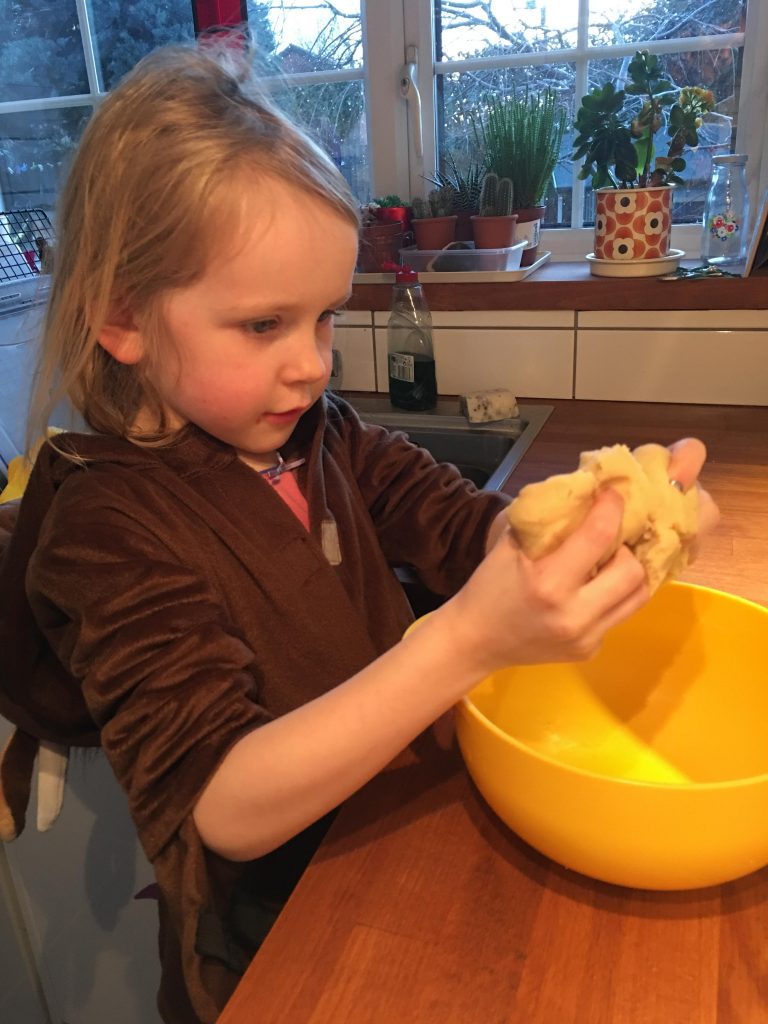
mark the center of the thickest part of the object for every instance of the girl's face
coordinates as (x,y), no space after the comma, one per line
(251,339)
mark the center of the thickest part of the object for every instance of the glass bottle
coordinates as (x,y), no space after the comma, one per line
(726,213)
(410,355)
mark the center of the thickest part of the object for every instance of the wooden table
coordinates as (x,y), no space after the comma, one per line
(421,907)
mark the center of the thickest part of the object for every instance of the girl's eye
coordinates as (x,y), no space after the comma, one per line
(260,326)
(327,314)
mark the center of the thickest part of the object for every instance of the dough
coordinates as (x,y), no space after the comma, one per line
(659,523)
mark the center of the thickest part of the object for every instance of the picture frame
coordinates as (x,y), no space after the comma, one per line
(757,253)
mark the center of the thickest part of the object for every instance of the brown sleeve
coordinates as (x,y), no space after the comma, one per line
(425,513)
(9,511)
(164,676)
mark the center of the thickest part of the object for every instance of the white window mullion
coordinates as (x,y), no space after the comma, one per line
(753,102)
(581,86)
(88,37)
(46,103)
(386,110)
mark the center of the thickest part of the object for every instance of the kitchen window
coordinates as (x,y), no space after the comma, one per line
(467,48)
(386,86)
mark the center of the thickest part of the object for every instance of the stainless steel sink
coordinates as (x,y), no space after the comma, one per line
(485,453)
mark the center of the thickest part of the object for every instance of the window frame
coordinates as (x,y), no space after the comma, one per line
(572,243)
(391,31)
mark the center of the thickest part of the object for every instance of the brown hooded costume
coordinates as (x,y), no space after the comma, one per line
(164,602)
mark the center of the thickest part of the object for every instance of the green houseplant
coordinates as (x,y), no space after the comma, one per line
(392,208)
(617,138)
(520,138)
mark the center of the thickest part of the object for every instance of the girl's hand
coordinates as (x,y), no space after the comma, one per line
(559,610)
(688,456)
(515,611)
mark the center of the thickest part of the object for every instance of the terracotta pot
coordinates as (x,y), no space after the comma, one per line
(494,232)
(434,232)
(379,243)
(633,223)
(529,228)
(464,231)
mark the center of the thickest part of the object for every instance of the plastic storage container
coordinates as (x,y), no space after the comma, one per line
(726,213)
(463,259)
(410,355)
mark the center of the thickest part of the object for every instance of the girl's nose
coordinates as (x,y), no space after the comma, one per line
(309,359)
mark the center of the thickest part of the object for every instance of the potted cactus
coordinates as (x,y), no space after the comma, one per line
(520,138)
(392,208)
(494,226)
(466,186)
(434,222)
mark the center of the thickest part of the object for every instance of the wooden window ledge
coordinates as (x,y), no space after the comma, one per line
(570,286)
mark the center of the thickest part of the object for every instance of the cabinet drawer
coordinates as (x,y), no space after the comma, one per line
(709,367)
(532,364)
(358,370)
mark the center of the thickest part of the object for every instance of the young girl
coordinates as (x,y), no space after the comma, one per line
(203,584)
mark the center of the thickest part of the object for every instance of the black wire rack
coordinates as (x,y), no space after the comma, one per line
(25,239)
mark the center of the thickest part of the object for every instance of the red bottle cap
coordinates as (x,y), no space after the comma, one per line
(403,274)
(406,275)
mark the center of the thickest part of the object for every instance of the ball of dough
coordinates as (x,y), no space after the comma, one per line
(659,523)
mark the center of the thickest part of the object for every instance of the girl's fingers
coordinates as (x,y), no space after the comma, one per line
(709,513)
(620,588)
(687,458)
(575,559)
(633,602)
(709,517)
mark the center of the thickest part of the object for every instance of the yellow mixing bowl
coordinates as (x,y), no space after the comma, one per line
(646,766)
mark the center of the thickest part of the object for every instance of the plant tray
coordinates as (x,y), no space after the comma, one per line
(466,259)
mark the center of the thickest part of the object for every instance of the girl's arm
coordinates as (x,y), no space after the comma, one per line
(280,778)
(288,773)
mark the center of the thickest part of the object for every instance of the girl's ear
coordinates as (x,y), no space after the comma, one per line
(121,338)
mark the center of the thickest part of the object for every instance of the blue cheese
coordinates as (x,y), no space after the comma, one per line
(488,406)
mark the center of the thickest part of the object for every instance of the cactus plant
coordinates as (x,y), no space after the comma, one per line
(496,196)
(421,208)
(441,200)
(385,202)
(465,184)
(520,138)
(434,222)
(439,203)
(506,195)
(488,194)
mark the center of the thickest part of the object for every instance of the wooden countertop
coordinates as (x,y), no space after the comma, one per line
(421,907)
(571,286)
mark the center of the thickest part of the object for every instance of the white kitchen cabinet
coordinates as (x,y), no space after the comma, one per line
(353,340)
(92,945)
(717,357)
(530,352)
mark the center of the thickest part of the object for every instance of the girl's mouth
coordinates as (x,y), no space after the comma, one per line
(281,418)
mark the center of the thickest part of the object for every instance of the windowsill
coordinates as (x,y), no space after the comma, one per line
(570,286)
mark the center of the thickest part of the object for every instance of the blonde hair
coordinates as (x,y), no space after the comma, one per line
(148,188)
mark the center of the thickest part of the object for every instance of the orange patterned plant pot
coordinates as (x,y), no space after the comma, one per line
(633,223)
